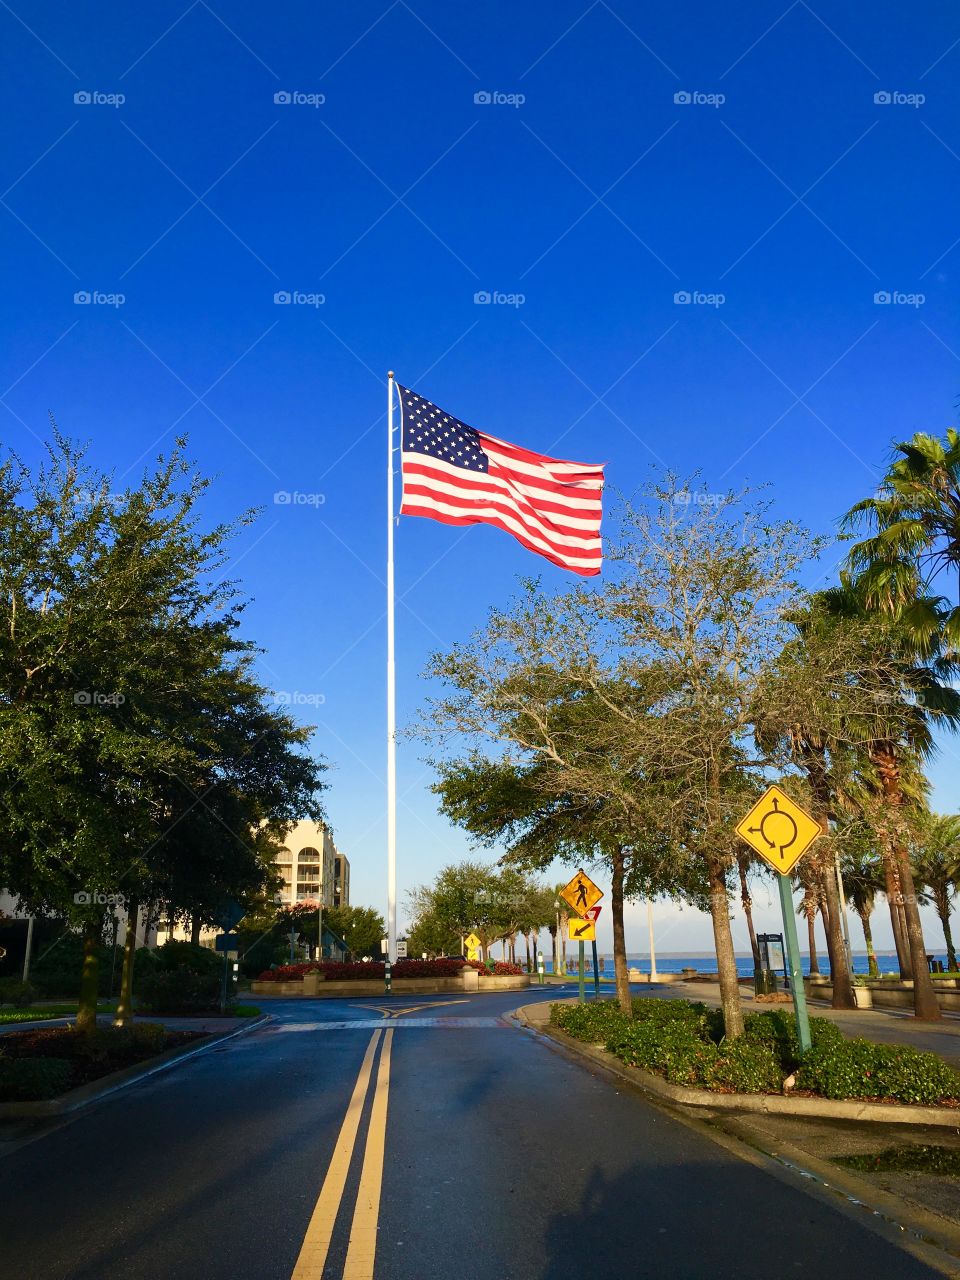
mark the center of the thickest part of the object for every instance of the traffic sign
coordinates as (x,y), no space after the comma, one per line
(473,953)
(401,948)
(593,914)
(581,893)
(227,942)
(228,913)
(583,931)
(779,830)
(472,942)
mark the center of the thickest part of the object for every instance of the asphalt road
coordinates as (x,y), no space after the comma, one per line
(441,1144)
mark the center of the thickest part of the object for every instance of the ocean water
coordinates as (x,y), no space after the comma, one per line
(887,961)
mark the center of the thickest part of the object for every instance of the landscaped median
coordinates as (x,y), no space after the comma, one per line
(677,1049)
(366,978)
(50,1070)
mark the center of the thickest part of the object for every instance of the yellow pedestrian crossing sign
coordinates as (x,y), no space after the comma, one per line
(472,942)
(581,893)
(779,830)
(583,931)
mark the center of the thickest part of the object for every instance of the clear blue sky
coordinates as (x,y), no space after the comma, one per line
(794,194)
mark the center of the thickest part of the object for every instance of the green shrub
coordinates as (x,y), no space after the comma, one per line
(701,1020)
(777,1029)
(591,1022)
(179,991)
(861,1069)
(17,993)
(673,1050)
(31,1079)
(746,1067)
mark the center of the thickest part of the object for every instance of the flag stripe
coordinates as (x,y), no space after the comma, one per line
(588,568)
(435,477)
(576,548)
(460,476)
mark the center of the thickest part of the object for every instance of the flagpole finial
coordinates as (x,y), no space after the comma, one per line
(389,373)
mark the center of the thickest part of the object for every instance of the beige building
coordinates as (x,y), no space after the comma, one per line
(308,864)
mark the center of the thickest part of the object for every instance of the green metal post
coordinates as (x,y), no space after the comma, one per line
(596,970)
(582,994)
(793,963)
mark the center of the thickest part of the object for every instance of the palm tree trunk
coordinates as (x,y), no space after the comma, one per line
(943,911)
(553,944)
(810,911)
(723,943)
(891,880)
(925,1003)
(872,967)
(747,903)
(124,1014)
(619,935)
(843,997)
(89,978)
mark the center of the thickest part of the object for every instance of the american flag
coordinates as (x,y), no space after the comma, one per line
(458,475)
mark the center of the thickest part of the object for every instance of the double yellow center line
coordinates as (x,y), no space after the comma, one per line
(361,1251)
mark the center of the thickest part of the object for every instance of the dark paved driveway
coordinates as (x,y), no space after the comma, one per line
(482,1154)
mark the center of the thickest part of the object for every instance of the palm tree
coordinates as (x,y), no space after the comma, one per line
(914,526)
(936,866)
(905,669)
(863,879)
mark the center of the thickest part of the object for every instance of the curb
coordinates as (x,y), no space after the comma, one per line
(118,1080)
(762,1103)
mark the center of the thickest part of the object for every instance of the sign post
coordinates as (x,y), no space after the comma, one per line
(583,895)
(781,833)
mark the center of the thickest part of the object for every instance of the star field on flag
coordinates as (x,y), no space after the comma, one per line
(458,475)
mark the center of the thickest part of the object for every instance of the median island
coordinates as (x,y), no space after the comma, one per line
(683,1042)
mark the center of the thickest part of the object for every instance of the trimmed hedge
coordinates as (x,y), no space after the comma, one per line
(684,1042)
(33,1079)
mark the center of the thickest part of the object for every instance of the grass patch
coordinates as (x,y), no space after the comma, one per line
(944,1161)
(40,1012)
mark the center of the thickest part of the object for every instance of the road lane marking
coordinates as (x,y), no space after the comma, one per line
(362,1250)
(316,1242)
(389,1011)
(370,1024)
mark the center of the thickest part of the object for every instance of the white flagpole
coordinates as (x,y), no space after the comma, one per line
(391,701)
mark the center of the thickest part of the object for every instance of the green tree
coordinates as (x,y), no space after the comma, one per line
(936,866)
(913,534)
(123,689)
(361,928)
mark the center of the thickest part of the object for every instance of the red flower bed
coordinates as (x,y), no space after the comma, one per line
(335,972)
(496,969)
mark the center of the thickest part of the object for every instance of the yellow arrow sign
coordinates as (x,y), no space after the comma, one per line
(779,830)
(472,942)
(581,893)
(473,953)
(583,931)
